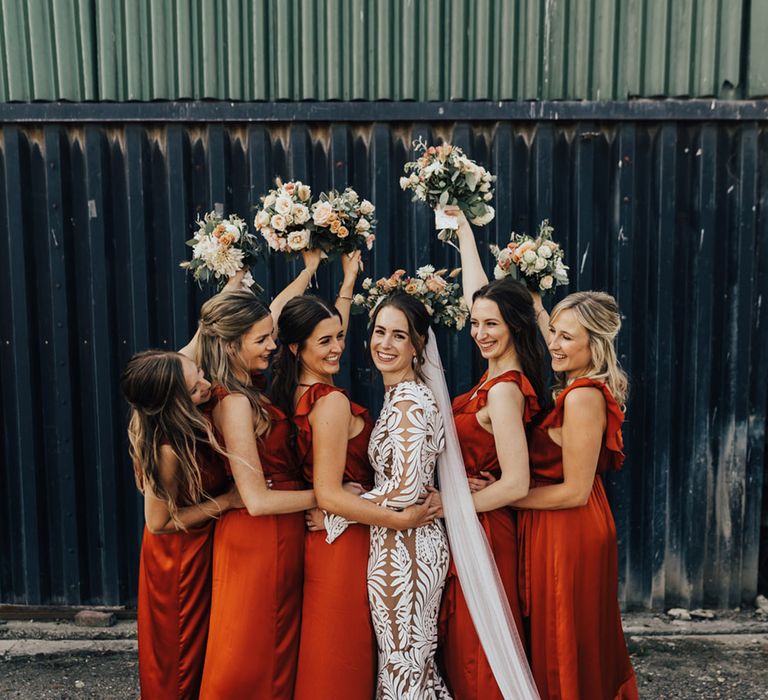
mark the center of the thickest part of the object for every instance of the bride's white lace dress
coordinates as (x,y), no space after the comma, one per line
(406,569)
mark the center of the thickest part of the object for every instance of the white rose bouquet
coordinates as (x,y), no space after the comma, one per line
(343,223)
(284,219)
(444,175)
(436,289)
(221,248)
(539,260)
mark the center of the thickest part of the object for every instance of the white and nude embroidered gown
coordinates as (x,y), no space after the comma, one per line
(406,569)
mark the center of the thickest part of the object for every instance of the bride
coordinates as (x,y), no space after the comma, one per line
(407,569)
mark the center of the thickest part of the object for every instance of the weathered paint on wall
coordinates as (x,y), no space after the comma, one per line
(667,215)
(424,50)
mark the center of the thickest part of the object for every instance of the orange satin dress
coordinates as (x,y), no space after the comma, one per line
(258,563)
(465,666)
(175,598)
(337,655)
(569,574)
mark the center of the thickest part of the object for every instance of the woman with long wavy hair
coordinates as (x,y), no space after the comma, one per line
(179,469)
(491,422)
(259,549)
(337,656)
(569,557)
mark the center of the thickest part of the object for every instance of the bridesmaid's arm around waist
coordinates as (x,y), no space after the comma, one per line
(157,514)
(233,417)
(584,421)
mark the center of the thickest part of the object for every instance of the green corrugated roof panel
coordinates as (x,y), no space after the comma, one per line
(379,49)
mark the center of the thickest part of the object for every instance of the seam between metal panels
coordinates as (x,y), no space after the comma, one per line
(331,111)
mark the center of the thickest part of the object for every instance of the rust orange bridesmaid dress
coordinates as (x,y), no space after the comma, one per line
(253,641)
(466,668)
(337,656)
(174,599)
(569,574)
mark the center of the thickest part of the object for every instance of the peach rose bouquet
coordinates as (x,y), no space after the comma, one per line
(539,260)
(284,219)
(343,222)
(438,290)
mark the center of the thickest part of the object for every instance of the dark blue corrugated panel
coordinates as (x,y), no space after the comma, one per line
(669,216)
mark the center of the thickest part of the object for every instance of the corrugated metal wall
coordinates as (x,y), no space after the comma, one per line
(670,216)
(381,49)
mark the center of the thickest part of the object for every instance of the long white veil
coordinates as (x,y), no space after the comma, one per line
(479,578)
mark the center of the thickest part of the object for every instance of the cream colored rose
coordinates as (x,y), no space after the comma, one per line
(546,282)
(530,256)
(545,251)
(321,213)
(362,225)
(298,240)
(283,205)
(278,222)
(352,196)
(366,208)
(484,218)
(269,200)
(300,213)
(305,192)
(262,219)
(540,264)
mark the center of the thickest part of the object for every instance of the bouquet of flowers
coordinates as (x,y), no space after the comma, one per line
(540,259)
(343,223)
(221,248)
(436,289)
(284,217)
(444,175)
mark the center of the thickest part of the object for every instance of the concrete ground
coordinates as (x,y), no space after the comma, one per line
(723,658)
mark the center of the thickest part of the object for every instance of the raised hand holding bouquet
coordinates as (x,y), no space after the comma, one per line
(220,249)
(343,223)
(436,289)
(539,260)
(284,218)
(444,175)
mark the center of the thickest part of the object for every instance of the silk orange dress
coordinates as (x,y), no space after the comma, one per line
(569,574)
(466,668)
(337,655)
(175,597)
(258,563)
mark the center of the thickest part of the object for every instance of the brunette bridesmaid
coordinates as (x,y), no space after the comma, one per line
(569,576)
(182,476)
(259,549)
(337,656)
(491,421)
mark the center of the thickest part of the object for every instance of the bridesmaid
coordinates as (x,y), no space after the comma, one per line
(182,477)
(337,656)
(259,549)
(491,421)
(567,533)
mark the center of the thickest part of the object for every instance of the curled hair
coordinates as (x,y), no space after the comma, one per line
(162,412)
(224,320)
(418,323)
(515,305)
(599,314)
(297,322)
